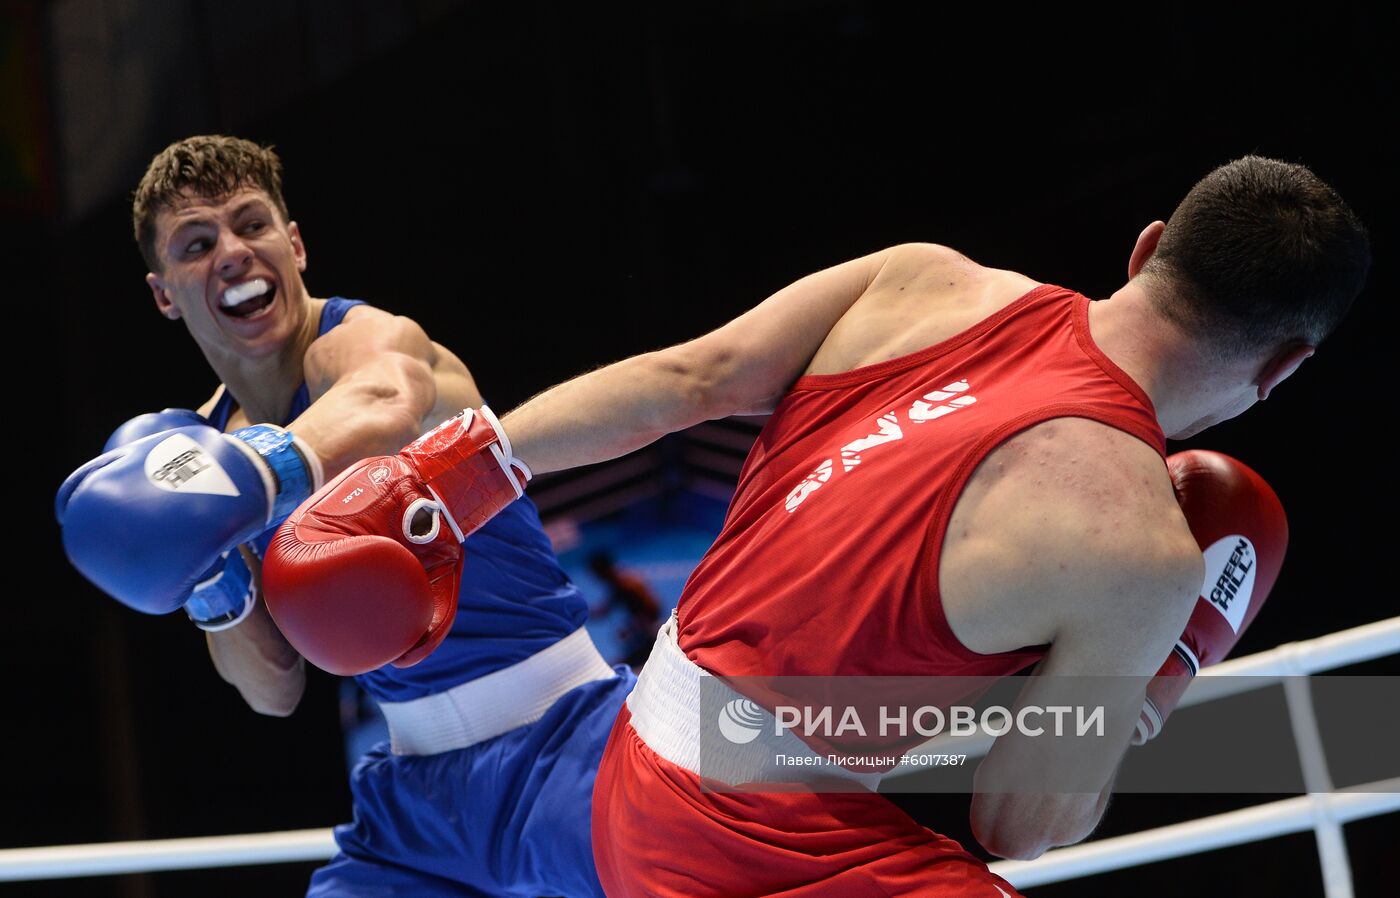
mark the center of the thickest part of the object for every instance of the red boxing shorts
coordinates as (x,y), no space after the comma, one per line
(658,832)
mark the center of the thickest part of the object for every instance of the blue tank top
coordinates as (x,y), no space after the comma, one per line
(514,601)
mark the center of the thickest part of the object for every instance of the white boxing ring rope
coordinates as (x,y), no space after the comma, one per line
(109,858)
(1265,821)
(1323,812)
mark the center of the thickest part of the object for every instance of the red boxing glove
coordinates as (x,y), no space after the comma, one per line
(365,572)
(1239,524)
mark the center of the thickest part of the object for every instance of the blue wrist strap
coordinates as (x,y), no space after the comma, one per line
(278,448)
(224,595)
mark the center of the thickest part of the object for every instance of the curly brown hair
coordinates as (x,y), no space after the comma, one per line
(209,165)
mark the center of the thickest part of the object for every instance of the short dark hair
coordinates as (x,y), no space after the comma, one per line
(211,166)
(1260,254)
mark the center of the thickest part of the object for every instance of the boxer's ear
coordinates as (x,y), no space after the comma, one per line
(164,304)
(298,247)
(1144,248)
(1283,363)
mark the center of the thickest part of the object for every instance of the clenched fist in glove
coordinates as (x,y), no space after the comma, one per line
(1239,524)
(155,520)
(365,573)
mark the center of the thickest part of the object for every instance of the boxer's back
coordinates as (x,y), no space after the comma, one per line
(919,548)
(925,294)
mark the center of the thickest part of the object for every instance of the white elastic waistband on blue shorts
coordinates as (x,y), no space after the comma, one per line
(497,703)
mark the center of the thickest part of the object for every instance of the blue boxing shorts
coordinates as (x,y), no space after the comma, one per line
(508,816)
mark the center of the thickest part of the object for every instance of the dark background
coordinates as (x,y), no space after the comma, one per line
(549,188)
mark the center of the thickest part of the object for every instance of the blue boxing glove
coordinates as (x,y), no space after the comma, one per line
(152,422)
(224,594)
(149,522)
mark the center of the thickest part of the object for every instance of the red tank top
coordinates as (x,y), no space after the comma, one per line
(828,560)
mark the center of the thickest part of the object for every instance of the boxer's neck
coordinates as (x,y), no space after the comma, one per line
(1185,385)
(263,388)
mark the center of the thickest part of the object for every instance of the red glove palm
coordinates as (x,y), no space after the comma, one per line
(365,573)
(1239,524)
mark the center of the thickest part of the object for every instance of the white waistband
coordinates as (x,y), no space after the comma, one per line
(497,703)
(666,711)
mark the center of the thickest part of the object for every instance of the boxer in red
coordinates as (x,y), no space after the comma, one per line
(963,474)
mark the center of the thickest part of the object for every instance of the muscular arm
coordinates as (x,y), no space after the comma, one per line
(1096,560)
(375,382)
(1033,794)
(744,367)
(255,659)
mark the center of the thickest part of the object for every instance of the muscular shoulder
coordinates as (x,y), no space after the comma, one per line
(908,264)
(383,344)
(368,327)
(923,294)
(365,332)
(932,271)
(1070,527)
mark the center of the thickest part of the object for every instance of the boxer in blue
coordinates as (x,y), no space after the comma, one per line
(498,716)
